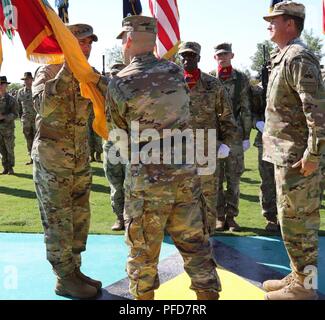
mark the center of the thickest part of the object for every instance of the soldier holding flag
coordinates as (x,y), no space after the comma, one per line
(62,172)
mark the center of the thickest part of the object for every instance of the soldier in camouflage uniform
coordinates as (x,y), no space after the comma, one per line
(210,108)
(266,169)
(115,173)
(62,172)
(232,168)
(27,113)
(294,137)
(8,114)
(94,140)
(153,94)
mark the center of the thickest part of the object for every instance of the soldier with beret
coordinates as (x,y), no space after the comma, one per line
(8,114)
(26,111)
(294,140)
(210,109)
(232,168)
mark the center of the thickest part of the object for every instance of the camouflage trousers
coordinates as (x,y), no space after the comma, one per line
(63,198)
(94,140)
(209,184)
(298,212)
(115,174)
(231,169)
(267,187)
(29,130)
(157,201)
(7,148)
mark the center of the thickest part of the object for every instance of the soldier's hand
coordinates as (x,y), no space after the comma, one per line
(307,167)
(2,117)
(223,151)
(246,145)
(260,126)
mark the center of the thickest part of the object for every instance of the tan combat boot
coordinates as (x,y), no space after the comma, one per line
(232,224)
(146,296)
(119,224)
(94,283)
(72,286)
(274,285)
(220,224)
(207,295)
(294,291)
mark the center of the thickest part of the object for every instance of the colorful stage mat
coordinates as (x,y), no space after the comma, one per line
(243,264)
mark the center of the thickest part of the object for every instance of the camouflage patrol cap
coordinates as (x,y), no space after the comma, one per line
(223,48)
(289,8)
(190,47)
(83,31)
(138,24)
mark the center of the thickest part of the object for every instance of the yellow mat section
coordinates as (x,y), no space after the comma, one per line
(233,288)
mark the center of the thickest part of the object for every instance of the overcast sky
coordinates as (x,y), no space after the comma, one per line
(208,22)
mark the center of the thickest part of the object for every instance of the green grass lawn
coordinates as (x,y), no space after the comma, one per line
(19,210)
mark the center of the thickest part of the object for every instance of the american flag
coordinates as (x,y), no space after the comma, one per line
(168,39)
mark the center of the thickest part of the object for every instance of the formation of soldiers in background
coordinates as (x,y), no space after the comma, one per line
(224,100)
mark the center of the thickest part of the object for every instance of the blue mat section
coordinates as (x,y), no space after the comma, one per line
(25,273)
(271,252)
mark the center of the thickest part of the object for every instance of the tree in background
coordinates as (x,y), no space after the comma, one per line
(258,58)
(14,87)
(113,55)
(315,44)
(247,73)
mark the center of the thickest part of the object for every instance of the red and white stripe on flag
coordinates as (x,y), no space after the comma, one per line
(168,38)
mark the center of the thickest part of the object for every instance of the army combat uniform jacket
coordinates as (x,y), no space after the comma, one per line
(26,111)
(295,115)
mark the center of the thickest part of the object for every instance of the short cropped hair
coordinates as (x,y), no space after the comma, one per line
(299,22)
